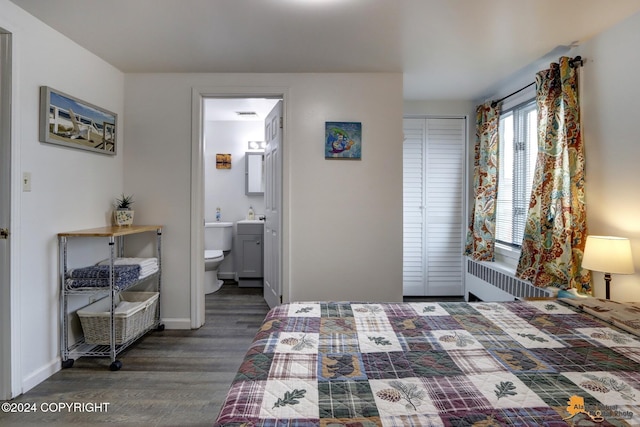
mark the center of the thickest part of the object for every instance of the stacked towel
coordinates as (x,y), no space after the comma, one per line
(98,276)
(148,266)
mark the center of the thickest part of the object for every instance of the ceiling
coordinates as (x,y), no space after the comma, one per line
(227,109)
(446,49)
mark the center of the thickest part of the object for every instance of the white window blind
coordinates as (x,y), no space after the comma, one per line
(517,159)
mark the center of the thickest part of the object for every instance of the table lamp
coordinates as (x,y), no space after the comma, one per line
(608,254)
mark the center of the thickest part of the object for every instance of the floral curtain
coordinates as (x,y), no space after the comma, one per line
(482,226)
(555,231)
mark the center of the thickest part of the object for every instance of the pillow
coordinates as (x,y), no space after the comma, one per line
(625,315)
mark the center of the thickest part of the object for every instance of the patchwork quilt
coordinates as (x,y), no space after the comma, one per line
(533,363)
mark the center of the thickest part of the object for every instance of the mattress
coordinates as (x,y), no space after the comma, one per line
(526,363)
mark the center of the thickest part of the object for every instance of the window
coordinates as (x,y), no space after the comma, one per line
(518,152)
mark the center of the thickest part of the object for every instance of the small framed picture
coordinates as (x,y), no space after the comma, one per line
(343,140)
(223,161)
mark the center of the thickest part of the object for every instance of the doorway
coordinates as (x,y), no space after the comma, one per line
(238,105)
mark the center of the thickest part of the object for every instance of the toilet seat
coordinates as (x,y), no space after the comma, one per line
(210,254)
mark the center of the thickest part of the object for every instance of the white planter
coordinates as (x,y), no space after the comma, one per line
(123,217)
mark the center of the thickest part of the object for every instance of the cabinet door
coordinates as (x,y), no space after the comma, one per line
(250,246)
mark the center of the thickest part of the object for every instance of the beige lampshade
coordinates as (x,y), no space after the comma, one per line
(608,254)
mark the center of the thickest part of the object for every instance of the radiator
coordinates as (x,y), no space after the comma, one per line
(487,283)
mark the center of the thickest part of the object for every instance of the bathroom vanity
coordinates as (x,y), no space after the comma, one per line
(248,252)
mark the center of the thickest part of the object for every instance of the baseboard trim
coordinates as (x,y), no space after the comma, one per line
(41,374)
(176,323)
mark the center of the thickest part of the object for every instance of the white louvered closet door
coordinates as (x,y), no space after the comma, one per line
(433,203)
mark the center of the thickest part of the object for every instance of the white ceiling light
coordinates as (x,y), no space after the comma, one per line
(256,145)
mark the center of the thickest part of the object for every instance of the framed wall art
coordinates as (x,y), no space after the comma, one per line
(223,161)
(343,140)
(71,122)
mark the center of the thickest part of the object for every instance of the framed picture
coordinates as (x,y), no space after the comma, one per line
(343,140)
(223,161)
(68,121)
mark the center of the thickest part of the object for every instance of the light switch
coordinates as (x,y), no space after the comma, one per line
(26,181)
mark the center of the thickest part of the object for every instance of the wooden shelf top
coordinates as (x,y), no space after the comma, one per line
(111,231)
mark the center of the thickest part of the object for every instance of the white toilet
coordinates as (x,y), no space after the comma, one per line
(218,237)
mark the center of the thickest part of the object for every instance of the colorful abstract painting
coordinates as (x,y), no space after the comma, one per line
(343,140)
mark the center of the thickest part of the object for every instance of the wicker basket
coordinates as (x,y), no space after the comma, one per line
(128,325)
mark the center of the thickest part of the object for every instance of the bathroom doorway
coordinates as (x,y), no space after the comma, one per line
(233,129)
(231,124)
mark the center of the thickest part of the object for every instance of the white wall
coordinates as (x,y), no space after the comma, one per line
(342,231)
(439,107)
(225,188)
(346,216)
(71,189)
(610,106)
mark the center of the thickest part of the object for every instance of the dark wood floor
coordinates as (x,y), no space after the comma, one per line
(168,378)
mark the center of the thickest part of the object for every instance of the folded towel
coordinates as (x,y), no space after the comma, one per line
(142,262)
(147,272)
(102,271)
(148,266)
(97,276)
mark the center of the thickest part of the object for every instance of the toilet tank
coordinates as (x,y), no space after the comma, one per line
(218,235)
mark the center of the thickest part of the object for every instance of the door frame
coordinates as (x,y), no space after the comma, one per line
(10,360)
(198,95)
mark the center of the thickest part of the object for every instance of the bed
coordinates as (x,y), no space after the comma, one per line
(528,363)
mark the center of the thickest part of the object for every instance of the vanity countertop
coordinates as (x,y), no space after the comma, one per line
(250,221)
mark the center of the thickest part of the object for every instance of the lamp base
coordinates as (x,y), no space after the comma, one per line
(607,284)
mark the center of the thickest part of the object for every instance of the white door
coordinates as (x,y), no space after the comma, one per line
(272,203)
(433,204)
(5,213)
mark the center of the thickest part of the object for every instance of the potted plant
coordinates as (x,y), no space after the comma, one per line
(123,214)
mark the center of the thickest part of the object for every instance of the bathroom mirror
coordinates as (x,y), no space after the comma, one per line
(254,173)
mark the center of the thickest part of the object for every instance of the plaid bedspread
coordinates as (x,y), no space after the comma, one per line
(535,363)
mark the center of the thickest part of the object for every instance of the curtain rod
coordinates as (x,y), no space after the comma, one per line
(574,63)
